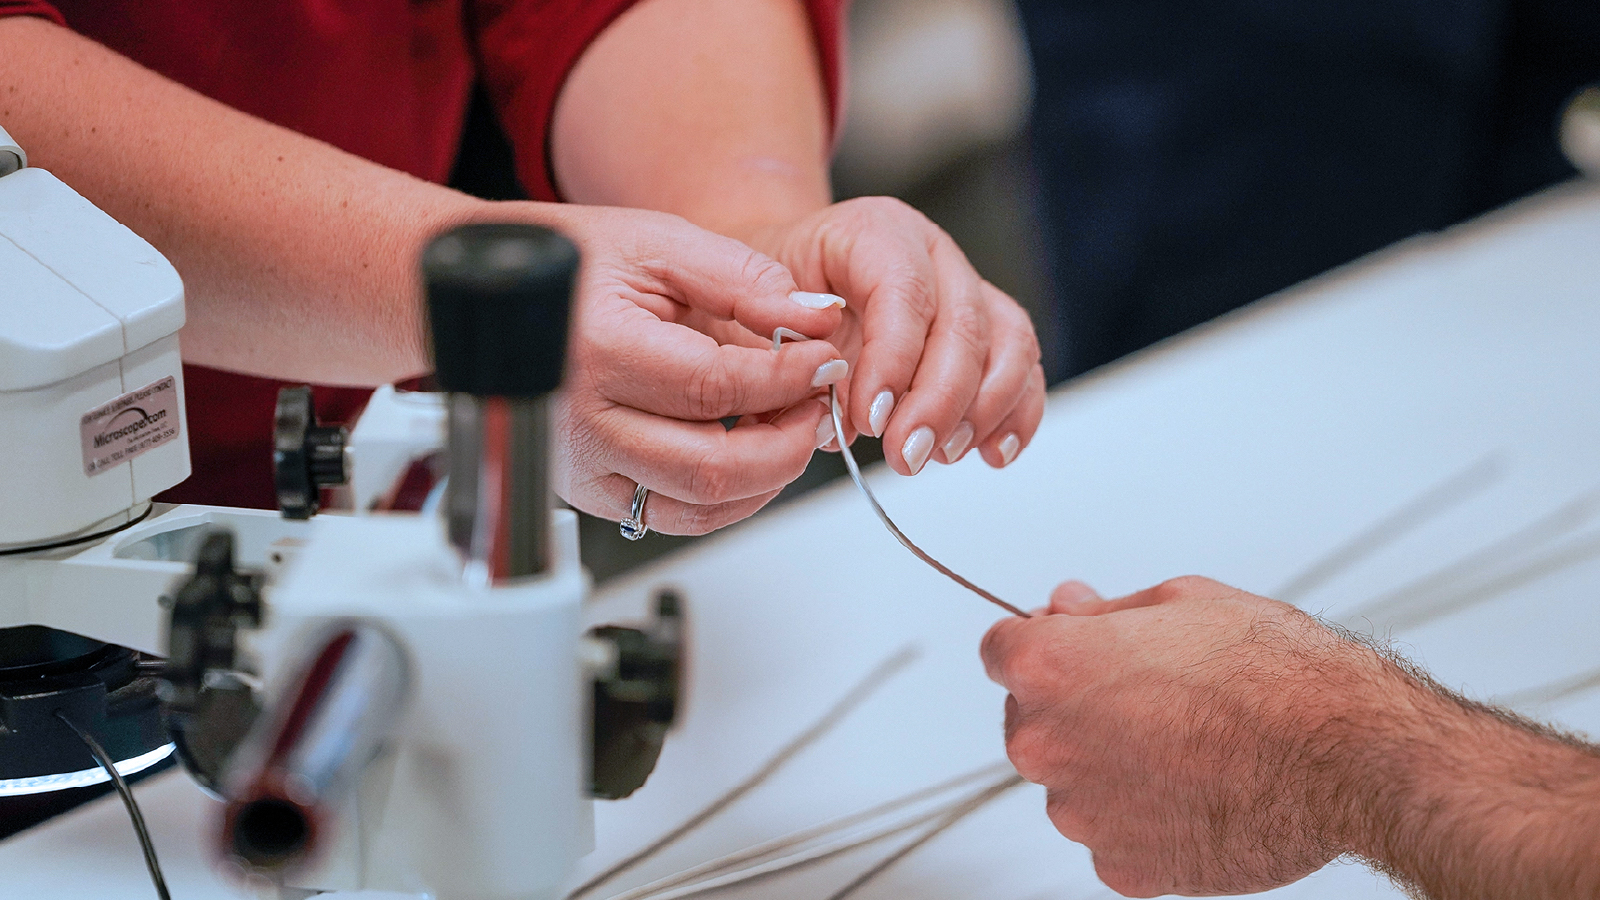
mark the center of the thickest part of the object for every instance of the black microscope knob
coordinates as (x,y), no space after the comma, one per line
(498,297)
(306,456)
(635,704)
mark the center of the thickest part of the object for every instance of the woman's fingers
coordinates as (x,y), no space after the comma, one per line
(645,392)
(724,279)
(701,477)
(1016,430)
(673,371)
(949,371)
(941,359)
(669,515)
(705,464)
(899,311)
(1013,356)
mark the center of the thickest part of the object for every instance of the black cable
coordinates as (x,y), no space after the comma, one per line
(145,844)
(83,538)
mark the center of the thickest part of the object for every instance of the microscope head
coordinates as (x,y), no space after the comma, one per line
(91,384)
(91,428)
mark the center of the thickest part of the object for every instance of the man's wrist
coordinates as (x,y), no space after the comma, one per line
(1399,741)
(1460,799)
(1345,740)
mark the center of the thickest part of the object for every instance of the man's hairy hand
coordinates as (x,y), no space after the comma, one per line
(1202,740)
(1183,732)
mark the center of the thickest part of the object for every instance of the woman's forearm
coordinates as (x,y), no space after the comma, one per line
(298,259)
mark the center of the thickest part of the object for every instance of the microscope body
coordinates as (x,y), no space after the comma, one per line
(475,783)
(481,791)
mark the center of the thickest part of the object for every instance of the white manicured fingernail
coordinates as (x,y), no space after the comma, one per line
(825,431)
(878,412)
(829,372)
(916,448)
(1009,446)
(811,300)
(958,442)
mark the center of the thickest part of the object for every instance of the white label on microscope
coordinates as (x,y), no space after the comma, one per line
(132,424)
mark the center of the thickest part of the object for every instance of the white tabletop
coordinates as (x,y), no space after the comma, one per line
(1247,452)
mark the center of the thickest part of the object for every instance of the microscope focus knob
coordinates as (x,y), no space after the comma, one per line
(636,699)
(306,456)
(498,296)
(208,707)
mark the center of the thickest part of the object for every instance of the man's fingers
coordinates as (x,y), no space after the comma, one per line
(1013,717)
(674,371)
(1000,645)
(1170,591)
(1118,604)
(1174,590)
(1074,598)
(1066,815)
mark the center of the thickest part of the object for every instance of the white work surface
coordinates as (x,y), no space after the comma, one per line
(1247,453)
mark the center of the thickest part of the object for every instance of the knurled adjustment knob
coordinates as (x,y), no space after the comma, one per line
(306,456)
(498,296)
(636,701)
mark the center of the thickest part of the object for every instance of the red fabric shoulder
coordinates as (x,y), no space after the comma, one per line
(541,40)
(828,24)
(31,8)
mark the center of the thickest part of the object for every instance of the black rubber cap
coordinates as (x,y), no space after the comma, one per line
(498,298)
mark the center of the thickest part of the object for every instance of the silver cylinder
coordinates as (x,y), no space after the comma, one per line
(303,760)
(498,505)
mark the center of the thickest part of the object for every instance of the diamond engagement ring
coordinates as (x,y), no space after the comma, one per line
(633,527)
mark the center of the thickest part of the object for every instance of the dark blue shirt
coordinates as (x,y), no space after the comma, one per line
(1194,156)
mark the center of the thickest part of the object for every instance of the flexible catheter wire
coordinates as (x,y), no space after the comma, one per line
(778,338)
(855,475)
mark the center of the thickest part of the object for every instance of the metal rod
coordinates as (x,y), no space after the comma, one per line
(1429,608)
(950,820)
(1550,692)
(304,758)
(499,503)
(818,842)
(1444,581)
(1416,512)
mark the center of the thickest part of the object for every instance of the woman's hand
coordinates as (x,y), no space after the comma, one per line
(942,360)
(645,394)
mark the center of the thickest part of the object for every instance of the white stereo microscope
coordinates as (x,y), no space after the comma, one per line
(399,702)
